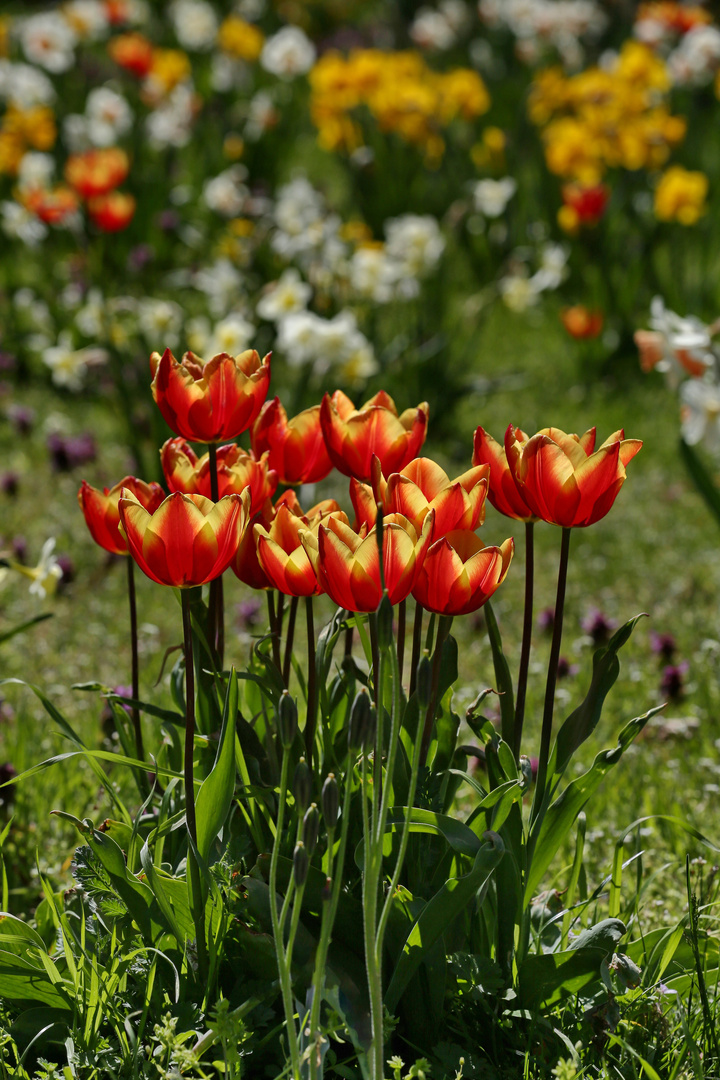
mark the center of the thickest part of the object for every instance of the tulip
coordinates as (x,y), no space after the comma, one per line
(348,565)
(133,52)
(210,402)
(422,485)
(353,435)
(364,505)
(112,212)
(103,516)
(95,172)
(188,540)
(54,206)
(236,470)
(503,492)
(281,553)
(563,479)
(460,574)
(582,323)
(296,447)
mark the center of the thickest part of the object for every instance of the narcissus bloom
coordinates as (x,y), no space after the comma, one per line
(186,472)
(459,573)
(422,486)
(348,565)
(353,435)
(210,402)
(112,212)
(280,550)
(95,172)
(563,478)
(503,493)
(297,447)
(188,540)
(103,516)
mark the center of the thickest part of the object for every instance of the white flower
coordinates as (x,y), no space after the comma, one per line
(90,318)
(68,364)
(414,242)
(225,193)
(160,322)
(686,343)
(697,57)
(170,124)
(20,224)
(35,171)
(222,284)
(88,18)
(518,291)
(553,267)
(197,334)
(24,85)
(700,414)
(48,40)
(283,297)
(195,24)
(288,53)
(262,114)
(75,133)
(45,576)
(298,206)
(372,274)
(492,196)
(233,335)
(109,116)
(431,30)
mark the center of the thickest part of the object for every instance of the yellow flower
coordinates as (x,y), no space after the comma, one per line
(680,195)
(240,39)
(169,67)
(233,146)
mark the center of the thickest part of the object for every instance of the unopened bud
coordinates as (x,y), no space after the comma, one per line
(359,720)
(301,864)
(287,717)
(330,801)
(311,824)
(302,785)
(423,681)
(369,741)
(385,622)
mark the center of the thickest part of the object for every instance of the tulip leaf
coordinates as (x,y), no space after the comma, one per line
(214,799)
(551,828)
(458,836)
(701,478)
(502,676)
(439,913)
(24,626)
(22,980)
(581,723)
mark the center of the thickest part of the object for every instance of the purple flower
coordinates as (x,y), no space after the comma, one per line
(168,220)
(68,569)
(598,626)
(565,668)
(247,613)
(7,361)
(9,482)
(22,418)
(546,620)
(67,452)
(19,548)
(672,683)
(664,645)
(140,256)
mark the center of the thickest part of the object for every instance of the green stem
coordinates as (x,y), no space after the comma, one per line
(416,644)
(311,720)
(526,637)
(289,641)
(546,734)
(401,637)
(134,658)
(216,613)
(198,908)
(444,624)
(370,897)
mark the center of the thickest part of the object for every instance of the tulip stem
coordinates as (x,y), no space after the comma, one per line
(349,634)
(552,676)
(444,624)
(289,640)
(526,637)
(216,615)
(135,714)
(311,720)
(372,624)
(198,908)
(402,606)
(416,644)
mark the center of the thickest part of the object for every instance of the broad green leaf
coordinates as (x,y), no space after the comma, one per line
(447,723)
(701,477)
(17,936)
(502,676)
(438,914)
(214,799)
(545,978)
(460,838)
(7,634)
(23,980)
(582,721)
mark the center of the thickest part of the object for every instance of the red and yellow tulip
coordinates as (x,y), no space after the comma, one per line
(353,436)
(422,486)
(460,574)
(296,447)
(236,470)
(210,402)
(95,172)
(112,212)
(102,515)
(503,493)
(280,550)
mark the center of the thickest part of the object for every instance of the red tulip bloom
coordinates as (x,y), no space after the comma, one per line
(101,510)
(296,447)
(189,540)
(133,52)
(353,435)
(589,203)
(503,492)
(459,574)
(581,323)
(245,564)
(95,172)
(281,553)
(210,402)
(348,565)
(186,472)
(564,479)
(112,212)
(51,206)
(422,486)
(364,505)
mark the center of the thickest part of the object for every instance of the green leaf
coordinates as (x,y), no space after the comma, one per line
(22,980)
(438,914)
(7,634)
(701,478)
(550,830)
(547,977)
(461,839)
(581,723)
(447,724)
(17,936)
(502,676)
(214,799)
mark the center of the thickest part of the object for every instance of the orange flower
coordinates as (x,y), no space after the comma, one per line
(364,505)
(101,510)
(112,212)
(280,550)
(503,492)
(348,565)
(581,323)
(186,472)
(52,207)
(133,52)
(353,435)
(297,448)
(562,479)
(95,172)
(188,540)
(422,486)
(213,401)
(651,346)
(459,574)
(245,564)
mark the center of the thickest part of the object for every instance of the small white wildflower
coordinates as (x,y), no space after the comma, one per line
(49,40)
(288,53)
(195,24)
(490,197)
(280,298)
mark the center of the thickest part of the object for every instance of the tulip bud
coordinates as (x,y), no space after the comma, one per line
(302,785)
(385,622)
(311,823)
(369,742)
(423,681)
(359,720)
(301,864)
(287,720)
(330,801)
